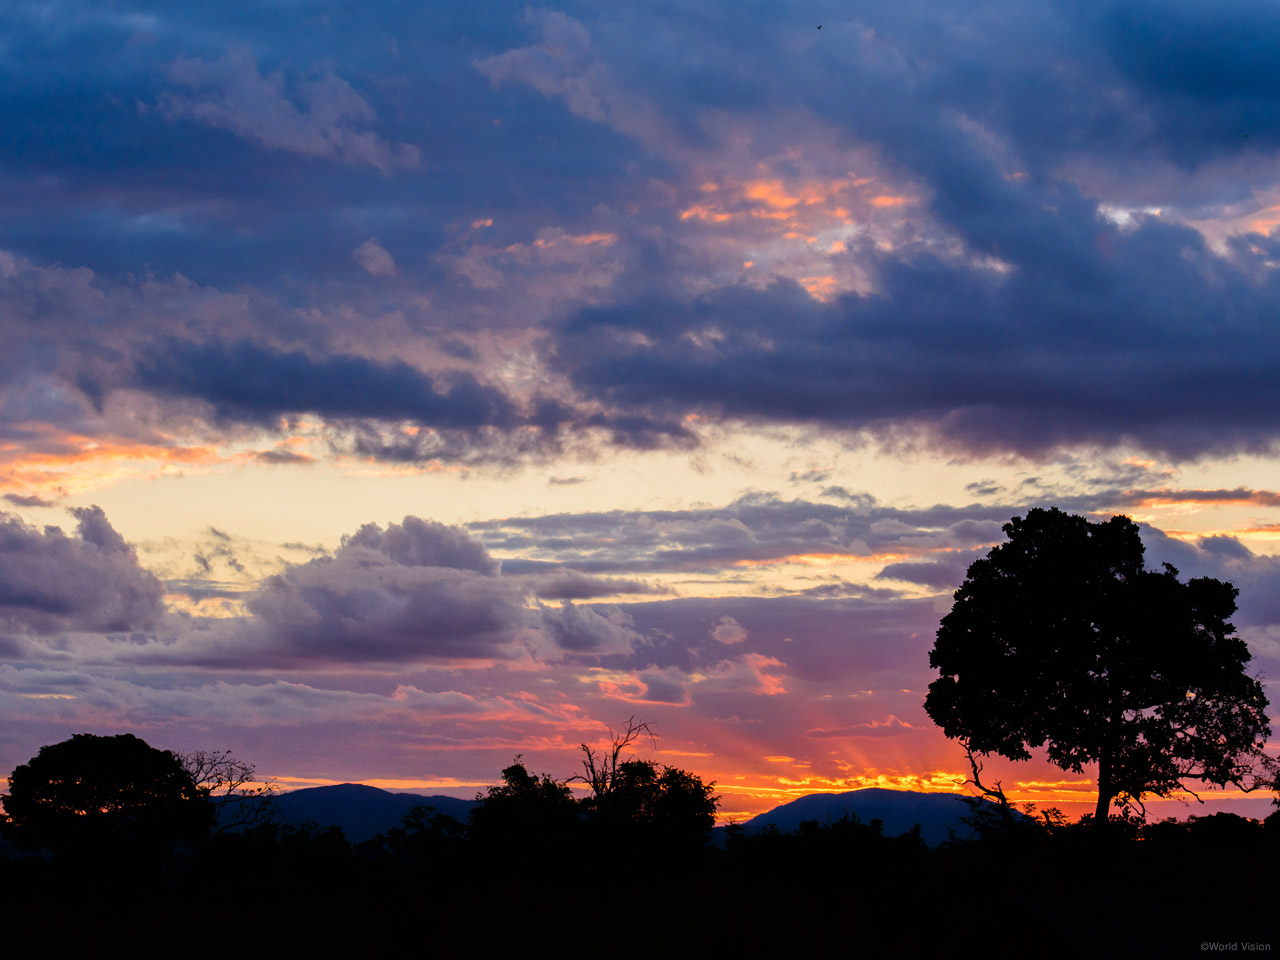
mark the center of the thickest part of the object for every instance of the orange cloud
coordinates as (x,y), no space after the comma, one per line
(822,288)
(1264,221)
(824,559)
(699,212)
(58,464)
(1166,496)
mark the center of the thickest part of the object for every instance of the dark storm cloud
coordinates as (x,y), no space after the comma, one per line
(1032,305)
(50,582)
(1078,331)
(125,123)
(1162,343)
(252,382)
(1205,72)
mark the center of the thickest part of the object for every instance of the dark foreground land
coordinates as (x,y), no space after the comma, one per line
(575,888)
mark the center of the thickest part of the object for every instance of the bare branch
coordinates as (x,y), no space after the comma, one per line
(231,786)
(993,793)
(601,770)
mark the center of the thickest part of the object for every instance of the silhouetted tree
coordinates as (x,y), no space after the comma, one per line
(600,769)
(524,804)
(664,799)
(1060,638)
(231,786)
(424,838)
(90,793)
(641,794)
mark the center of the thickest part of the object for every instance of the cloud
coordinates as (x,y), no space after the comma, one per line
(417,591)
(362,606)
(50,582)
(728,630)
(599,631)
(423,543)
(947,573)
(928,351)
(413,591)
(374,259)
(755,528)
(27,501)
(250,382)
(562,64)
(891,726)
(991,279)
(567,584)
(754,672)
(322,116)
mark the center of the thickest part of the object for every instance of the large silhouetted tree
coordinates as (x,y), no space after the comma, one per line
(1061,638)
(94,792)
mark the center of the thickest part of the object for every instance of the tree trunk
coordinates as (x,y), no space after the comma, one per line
(1102,813)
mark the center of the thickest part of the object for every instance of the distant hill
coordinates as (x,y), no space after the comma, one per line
(938,814)
(361,811)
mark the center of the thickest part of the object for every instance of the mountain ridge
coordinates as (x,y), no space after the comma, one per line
(362,811)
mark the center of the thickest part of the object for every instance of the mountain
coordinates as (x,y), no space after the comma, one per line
(361,811)
(938,814)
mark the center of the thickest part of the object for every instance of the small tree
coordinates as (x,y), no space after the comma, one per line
(1060,638)
(663,799)
(640,794)
(525,804)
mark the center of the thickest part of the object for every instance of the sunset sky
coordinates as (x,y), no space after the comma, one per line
(390,389)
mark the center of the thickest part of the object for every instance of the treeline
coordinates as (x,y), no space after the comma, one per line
(631,870)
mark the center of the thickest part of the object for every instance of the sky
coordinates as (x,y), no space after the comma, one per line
(389,390)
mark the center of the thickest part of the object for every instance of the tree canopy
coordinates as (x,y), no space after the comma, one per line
(629,798)
(525,803)
(662,799)
(1061,638)
(640,794)
(91,791)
